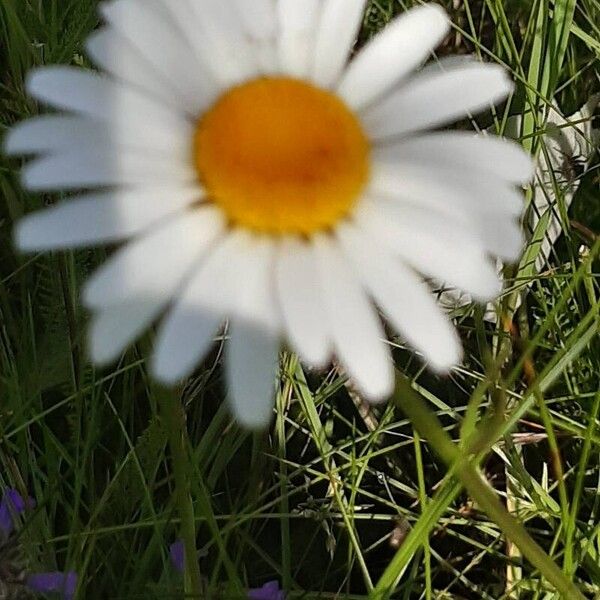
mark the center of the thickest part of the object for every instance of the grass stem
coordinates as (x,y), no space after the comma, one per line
(174,420)
(429,427)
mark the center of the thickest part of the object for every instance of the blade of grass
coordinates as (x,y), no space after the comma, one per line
(174,419)
(423,420)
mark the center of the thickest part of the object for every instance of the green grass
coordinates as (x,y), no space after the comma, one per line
(313,501)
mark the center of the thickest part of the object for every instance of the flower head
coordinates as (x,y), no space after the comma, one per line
(258,175)
(269,591)
(177,555)
(63,583)
(14,575)
(11,505)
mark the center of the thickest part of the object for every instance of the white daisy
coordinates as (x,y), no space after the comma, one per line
(259,176)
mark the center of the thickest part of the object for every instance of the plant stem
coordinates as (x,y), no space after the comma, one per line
(423,503)
(569,563)
(428,425)
(174,420)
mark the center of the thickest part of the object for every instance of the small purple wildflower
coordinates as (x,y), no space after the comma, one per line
(64,583)
(269,591)
(12,504)
(177,555)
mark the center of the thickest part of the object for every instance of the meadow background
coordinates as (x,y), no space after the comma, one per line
(334,492)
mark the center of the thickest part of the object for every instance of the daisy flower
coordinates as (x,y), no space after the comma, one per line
(259,174)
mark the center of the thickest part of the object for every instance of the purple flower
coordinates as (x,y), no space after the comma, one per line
(269,591)
(12,504)
(64,583)
(177,554)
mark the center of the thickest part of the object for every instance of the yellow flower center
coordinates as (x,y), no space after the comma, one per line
(280,156)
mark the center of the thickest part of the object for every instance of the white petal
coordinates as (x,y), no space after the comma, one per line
(298,21)
(336,33)
(393,54)
(445,189)
(252,353)
(463,210)
(54,132)
(477,206)
(267,57)
(104,166)
(148,28)
(302,303)
(128,113)
(258,17)
(155,265)
(259,21)
(357,333)
(114,53)
(447,63)
(74,134)
(221,43)
(69,88)
(114,329)
(235,279)
(462,151)
(438,98)
(186,334)
(256,300)
(480,209)
(404,298)
(424,240)
(251,362)
(183,342)
(103,217)
(191,22)
(503,238)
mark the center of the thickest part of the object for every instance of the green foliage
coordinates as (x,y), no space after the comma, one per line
(324,499)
